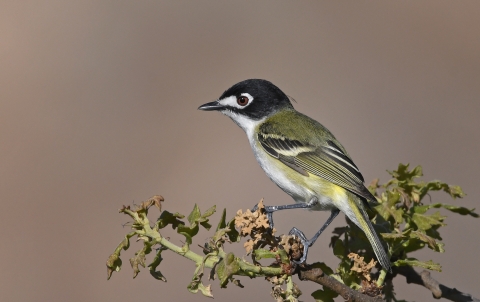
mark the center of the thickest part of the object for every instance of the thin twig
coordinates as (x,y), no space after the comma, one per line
(316,275)
(438,290)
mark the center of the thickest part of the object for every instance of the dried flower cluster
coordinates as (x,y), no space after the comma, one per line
(360,266)
(255,224)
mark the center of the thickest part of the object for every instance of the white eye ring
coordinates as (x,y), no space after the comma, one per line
(241,102)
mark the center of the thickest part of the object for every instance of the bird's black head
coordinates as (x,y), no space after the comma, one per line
(253,99)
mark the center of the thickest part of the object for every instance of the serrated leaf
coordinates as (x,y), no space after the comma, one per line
(425,222)
(397,241)
(194,215)
(453,191)
(403,174)
(325,295)
(414,262)
(451,208)
(388,208)
(412,245)
(432,243)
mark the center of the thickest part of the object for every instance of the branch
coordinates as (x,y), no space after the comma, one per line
(262,245)
(316,275)
(225,265)
(438,290)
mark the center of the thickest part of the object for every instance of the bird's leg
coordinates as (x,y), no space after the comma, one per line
(270,209)
(308,243)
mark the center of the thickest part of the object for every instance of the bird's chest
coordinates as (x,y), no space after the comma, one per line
(301,188)
(287,179)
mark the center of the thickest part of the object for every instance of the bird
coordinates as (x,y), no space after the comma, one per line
(300,156)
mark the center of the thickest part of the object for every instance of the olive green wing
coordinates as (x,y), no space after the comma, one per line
(328,161)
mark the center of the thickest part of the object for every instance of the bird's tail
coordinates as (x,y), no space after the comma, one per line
(362,220)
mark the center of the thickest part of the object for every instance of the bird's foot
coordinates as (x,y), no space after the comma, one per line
(305,242)
(270,209)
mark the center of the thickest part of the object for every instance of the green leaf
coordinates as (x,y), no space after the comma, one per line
(432,243)
(153,267)
(209,212)
(167,218)
(451,208)
(343,269)
(411,245)
(197,285)
(325,295)
(436,185)
(233,234)
(425,222)
(194,215)
(206,225)
(226,268)
(461,210)
(188,231)
(402,173)
(339,232)
(414,262)
(222,224)
(339,249)
(388,208)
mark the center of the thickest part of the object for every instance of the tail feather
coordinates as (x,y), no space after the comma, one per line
(361,219)
(377,246)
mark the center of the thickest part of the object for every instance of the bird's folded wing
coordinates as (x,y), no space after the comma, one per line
(328,162)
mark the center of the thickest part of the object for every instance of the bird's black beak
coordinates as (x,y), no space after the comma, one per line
(215,105)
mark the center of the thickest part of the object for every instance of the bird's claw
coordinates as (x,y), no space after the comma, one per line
(306,244)
(268,211)
(270,219)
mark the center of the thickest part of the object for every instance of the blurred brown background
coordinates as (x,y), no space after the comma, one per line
(98,107)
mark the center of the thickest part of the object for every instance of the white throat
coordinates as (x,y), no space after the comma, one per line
(247,124)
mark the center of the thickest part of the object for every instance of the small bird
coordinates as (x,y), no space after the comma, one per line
(300,156)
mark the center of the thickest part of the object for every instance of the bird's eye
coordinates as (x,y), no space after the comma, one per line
(242,100)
